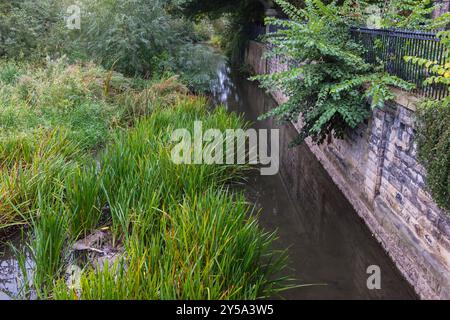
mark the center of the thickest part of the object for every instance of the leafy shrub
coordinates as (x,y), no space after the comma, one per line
(433,118)
(409,14)
(53,117)
(31,28)
(331,83)
(433,138)
(133,37)
(136,37)
(157,209)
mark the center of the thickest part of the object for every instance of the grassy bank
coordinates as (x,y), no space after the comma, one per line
(57,116)
(85,149)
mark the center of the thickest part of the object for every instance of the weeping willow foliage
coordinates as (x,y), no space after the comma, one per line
(331,84)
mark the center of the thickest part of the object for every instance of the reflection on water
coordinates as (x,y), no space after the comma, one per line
(223,88)
(11,278)
(328,243)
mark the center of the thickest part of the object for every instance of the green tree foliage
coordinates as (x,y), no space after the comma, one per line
(239,15)
(409,14)
(331,85)
(28,28)
(433,138)
(141,37)
(216,9)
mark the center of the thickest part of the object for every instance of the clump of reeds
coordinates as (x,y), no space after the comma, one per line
(55,116)
(185,234)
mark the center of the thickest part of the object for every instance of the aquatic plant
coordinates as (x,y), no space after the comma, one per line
(49,239)
(84,206)
(67,176)
(207,247)
(185,235)
(56,116)
(50,117)
(177,223)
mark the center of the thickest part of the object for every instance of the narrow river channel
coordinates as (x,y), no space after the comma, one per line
(328,243)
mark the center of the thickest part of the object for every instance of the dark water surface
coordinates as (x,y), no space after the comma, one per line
(11,276)
(328,242)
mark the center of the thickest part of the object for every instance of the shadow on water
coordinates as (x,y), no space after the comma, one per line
(328,242)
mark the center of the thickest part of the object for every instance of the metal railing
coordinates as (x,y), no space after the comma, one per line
(389,47)
(256,32)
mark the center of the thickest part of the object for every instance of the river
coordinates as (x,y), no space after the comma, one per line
(328,243)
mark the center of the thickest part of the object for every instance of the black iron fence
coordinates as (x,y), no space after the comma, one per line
(389,47)
(256,31)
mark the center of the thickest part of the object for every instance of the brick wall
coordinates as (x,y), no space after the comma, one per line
(376,167)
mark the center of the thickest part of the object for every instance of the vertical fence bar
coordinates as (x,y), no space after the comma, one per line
(441,61)
(390,46)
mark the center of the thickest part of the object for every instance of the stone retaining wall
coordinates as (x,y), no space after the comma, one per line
(376,167)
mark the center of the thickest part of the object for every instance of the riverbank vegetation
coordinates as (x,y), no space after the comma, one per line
(143,38)
(84,148)
(86,118)
(332,88)
(238,17)
(433,115)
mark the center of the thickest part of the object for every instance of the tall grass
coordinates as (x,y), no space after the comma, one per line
(138,163)
(150,40)
(40,167)
(49,238)
(185,235)
(54,118)
(86,139)
(84,204)
(207,247)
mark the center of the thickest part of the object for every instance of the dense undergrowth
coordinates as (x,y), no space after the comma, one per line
(144,38)
(53,117)
(86,117)
(330,84)
(433,138)
(77,139)
(186,236)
